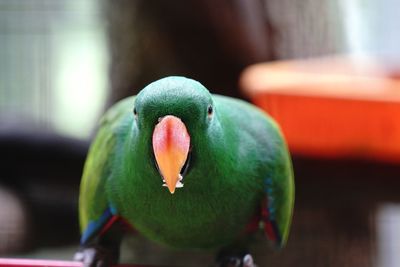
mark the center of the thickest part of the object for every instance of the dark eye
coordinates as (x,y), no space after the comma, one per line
(135,112)
(210,111)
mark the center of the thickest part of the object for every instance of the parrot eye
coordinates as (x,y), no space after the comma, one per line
(210,111)
(135,112)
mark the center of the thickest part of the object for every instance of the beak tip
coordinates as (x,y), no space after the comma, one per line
(171,189)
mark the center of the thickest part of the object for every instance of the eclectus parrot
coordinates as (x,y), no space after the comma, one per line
(187,169)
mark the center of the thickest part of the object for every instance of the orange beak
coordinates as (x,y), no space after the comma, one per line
(171,143)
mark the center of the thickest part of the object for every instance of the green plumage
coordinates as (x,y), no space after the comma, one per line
(238,160)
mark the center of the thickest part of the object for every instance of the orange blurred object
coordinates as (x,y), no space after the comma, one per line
(331,107)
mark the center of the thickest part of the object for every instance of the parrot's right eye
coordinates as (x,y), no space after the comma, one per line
(135,112)
(210,111)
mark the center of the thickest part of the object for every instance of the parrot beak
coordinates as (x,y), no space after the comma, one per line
(171,142)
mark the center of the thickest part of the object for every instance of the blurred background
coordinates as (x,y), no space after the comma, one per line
(62,63)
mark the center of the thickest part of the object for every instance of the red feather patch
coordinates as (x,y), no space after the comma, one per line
(126,225)
(270,227)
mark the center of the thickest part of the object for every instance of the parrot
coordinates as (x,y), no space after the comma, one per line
(186,169)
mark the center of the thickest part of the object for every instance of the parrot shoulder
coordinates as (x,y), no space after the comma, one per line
(93,201)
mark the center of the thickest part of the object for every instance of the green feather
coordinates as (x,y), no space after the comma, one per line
(98,166)
(235,152)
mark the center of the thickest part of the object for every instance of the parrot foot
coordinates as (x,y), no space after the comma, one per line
(95,256)
(233,261)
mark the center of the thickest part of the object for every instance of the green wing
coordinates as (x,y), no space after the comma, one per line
(277,207)
(98,167)
(279,188)
(276,170)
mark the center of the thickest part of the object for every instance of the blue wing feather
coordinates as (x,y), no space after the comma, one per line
(96,226)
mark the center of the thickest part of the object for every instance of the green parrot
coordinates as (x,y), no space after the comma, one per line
(187,169)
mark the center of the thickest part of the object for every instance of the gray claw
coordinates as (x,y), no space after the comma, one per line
(248,261)
(93,257)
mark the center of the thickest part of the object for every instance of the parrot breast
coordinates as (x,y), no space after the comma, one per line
(185,221)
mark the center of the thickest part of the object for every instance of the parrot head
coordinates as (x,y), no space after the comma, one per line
(168,112)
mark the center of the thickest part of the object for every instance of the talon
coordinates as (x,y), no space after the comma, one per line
(236,261)
(95,257)
(248,261)
(78,256)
